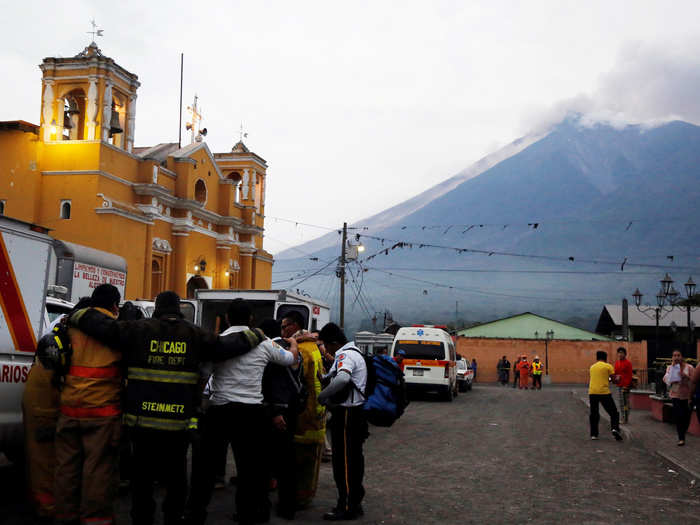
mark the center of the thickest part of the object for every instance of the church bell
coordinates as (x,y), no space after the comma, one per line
(114,126)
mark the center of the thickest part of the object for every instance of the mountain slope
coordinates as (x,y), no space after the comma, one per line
(588,213)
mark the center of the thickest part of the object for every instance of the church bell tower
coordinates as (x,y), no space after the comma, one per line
(88,97)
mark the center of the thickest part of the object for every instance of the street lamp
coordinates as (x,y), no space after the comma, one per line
(549,337)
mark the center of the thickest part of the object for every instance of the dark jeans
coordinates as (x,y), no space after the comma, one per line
(609,405)
(681,415)
(348,433)
(537,381)
(246,427)
(158,455)
(283,463)
(516,378)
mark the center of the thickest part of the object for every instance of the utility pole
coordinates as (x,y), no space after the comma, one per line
(342,275)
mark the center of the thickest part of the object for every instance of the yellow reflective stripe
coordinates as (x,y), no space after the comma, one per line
(154,422)
(163,376)
(311,436)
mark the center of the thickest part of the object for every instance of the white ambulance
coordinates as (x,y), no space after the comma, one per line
(429,359)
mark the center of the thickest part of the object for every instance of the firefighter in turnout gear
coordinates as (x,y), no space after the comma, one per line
(537,373)
(163,355)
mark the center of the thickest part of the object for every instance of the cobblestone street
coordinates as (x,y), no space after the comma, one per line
(497,455)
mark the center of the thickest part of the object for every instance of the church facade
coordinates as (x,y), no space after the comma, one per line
(182,217)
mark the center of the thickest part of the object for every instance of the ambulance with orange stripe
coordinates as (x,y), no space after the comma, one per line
(429,359)
(25,252)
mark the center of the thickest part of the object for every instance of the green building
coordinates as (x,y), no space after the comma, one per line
(530,326)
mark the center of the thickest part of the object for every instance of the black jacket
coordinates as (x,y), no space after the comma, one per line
(162,360)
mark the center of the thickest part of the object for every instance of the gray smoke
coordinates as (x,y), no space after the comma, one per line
(649,84)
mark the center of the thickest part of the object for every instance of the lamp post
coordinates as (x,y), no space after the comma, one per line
(549,337)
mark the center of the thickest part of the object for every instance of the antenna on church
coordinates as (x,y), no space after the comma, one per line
(95,32)
(179,131)
(243,135)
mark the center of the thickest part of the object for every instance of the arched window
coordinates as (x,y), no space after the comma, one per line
(65,209)
(200,191)
(156,277)
(74,115)
(236,178)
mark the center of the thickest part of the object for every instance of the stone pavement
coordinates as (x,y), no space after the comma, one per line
(657,437)
(494,455)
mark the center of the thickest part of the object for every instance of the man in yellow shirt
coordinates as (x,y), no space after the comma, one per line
(599,394)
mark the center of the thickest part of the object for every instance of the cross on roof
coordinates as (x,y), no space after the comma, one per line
(95,32)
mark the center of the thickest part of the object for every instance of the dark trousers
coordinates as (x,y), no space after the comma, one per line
(609,405)
(537,381)
(681,415)
(158,455)
(348,433)
(283,463)
(516,378)
(246,427)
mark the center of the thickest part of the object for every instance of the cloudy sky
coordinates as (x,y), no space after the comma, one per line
(359,105)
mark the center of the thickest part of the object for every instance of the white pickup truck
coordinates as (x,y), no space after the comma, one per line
(25,251)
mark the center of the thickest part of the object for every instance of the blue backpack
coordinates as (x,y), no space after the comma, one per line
(385,393)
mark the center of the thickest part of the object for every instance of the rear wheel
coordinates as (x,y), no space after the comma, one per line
(449,393)
(469,386)
(463,386)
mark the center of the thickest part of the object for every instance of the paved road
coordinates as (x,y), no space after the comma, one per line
(498,455)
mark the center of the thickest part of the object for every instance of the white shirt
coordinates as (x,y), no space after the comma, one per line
(352,362)
(239,379)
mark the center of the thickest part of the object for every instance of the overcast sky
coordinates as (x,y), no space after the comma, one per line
(357,106)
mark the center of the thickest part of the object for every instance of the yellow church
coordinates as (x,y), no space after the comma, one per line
(183,218)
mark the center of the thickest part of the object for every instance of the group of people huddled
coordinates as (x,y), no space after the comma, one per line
(151,389)
(523,370)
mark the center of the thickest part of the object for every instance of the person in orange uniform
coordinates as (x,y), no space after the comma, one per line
(89,426)
(40,413)
(524,371)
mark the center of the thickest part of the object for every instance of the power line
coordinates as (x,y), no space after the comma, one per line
(561,258)
(490,270)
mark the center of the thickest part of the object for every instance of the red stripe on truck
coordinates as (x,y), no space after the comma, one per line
(13,305)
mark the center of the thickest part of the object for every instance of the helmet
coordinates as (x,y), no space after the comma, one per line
(54,349)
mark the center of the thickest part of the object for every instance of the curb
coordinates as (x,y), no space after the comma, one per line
(692,473)
(628,435)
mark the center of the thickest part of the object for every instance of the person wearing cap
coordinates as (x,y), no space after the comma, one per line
(536,373)
(399,357)
(162,355)
(345,395)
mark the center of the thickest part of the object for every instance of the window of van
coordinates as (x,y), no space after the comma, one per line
(421,349)
(461,365)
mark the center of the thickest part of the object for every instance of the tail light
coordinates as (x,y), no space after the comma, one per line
(447,370)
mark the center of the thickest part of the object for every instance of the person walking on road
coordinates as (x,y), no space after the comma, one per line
(624,375)
(345,392)
(474,368)
(599,394)
(503,368)
(524,372)
(678,376)
(537,373)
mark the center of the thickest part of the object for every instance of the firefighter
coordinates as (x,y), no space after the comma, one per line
(40,409)
(163,355)
(537,373)
(89,425)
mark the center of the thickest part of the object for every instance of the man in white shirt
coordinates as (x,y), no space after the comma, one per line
(345,395)
(237,415)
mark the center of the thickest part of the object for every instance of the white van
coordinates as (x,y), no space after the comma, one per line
(430,361)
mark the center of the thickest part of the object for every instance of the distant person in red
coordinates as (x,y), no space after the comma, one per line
(399,358)
(524,370)
(623,379)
